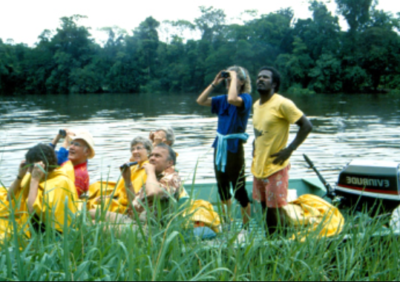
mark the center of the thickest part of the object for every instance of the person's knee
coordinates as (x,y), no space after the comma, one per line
(92,214)
(224,194)
(243,199)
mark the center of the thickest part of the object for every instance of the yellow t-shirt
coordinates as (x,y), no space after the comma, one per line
(271,128)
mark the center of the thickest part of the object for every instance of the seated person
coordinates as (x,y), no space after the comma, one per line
(103,191)
(81,148)
(166,136)
(163,182)
(40,189)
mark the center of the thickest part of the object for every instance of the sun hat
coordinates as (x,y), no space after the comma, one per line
(88,138)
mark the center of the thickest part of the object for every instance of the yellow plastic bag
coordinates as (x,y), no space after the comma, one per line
(312,213)
(203,212)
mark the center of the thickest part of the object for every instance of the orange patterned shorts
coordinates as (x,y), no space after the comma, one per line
(273,190)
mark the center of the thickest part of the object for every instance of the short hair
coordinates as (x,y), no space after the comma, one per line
(42,153)
(243,75)
(171,153)
(276,76)
(146,143)
(170,134)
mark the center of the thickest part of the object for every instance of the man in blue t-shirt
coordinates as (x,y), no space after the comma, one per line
(233,112)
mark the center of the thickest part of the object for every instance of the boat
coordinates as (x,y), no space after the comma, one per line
(355,205)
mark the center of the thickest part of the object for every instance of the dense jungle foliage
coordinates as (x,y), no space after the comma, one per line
(313,55)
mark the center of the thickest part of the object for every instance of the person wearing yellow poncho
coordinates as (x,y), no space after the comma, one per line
(41,192)
(112,196)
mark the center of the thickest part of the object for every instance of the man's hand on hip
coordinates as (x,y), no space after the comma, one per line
(282,156)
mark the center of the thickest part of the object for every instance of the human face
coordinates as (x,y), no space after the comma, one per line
(139,153)
(265,81)
(78,152)
(159,158)
(161,135)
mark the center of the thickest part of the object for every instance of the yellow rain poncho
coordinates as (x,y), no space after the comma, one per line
(203,211)
(119,203)
(312,213)
(52,196)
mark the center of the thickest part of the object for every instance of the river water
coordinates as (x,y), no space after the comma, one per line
(346,127)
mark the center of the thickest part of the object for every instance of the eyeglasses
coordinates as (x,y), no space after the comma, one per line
(76,144)
(138,148)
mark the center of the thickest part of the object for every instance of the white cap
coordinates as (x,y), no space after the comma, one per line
(88,138)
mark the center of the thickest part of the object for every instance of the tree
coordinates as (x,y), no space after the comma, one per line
(295,67)
(380,48)
(321,33)
(356,12)
(210,22)
(327,75)
(147,38)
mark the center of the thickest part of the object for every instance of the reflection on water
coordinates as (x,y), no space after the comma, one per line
(345,128)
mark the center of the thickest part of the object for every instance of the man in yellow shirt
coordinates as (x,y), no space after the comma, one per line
(272,117)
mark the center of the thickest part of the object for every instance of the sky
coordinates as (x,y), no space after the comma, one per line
(24,20)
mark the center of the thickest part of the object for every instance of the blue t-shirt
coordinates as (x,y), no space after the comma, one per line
(62,154)
(231,119)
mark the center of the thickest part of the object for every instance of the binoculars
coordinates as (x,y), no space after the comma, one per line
(225,74)
(127,165)
(62,133)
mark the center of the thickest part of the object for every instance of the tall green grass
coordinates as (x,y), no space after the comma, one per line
(98,251)
(94,250)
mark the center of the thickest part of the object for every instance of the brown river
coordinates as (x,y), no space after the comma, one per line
(346,127)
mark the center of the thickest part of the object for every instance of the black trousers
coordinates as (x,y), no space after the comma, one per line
(234,174)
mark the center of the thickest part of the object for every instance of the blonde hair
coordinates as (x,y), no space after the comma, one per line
(244,76)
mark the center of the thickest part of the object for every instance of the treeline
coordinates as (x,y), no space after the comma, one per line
(313,55)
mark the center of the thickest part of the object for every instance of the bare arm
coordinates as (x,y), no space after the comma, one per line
(37,175)
(126,174)
(233,95)
(68,138)
(33,192)
(305,129)
(56,139)
(153,187)
(16,185)
(203,99)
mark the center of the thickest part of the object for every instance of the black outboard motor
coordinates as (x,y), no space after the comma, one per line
(370,184)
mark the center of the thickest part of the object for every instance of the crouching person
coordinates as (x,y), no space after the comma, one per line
(41,191)
(163,185)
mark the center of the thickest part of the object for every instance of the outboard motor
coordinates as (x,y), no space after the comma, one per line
(371,184)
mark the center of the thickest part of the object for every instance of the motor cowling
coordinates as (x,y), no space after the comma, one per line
(370,182)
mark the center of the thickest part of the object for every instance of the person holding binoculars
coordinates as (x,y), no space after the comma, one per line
(77,149)
(112,194)
(233,112)
(40,194)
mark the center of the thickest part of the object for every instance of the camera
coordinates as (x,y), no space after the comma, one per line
(62,133)
(225,74)
(127,165)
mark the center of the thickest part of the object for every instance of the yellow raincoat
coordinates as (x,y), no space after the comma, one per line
(312,213)
(203,211)
(50,201)
(119,203)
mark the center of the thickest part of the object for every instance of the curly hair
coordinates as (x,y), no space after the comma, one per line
(276,77)
(42,153)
